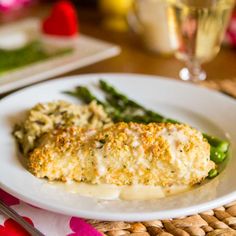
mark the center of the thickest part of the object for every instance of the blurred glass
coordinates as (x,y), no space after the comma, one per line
(149,20)
(199,29)
(193,29)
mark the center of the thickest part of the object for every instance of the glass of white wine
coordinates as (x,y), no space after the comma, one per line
(197,27)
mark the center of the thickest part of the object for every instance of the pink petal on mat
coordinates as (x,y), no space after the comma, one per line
(82,228)
(8,199)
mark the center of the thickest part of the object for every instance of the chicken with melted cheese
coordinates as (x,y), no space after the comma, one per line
(124,154)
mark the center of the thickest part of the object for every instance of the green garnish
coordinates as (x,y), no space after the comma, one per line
(30,53)
(212,173)
(217,156)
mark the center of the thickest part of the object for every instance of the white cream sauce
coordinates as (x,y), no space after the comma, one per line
(113,192)
(133,192)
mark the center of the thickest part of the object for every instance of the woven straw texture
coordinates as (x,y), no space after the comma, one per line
(218,222)
(226,86)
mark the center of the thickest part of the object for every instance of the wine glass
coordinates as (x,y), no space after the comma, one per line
(197,27)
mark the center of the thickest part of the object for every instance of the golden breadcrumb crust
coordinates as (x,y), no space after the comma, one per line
(124,154)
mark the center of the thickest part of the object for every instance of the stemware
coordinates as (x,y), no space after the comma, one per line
(198,27)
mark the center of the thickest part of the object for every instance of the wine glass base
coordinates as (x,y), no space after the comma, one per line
(185,74)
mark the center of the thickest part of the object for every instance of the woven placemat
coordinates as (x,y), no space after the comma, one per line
(217,222)
(227,86)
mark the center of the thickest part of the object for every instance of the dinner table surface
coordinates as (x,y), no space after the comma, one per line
(134,58)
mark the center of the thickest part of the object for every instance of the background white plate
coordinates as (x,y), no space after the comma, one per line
(86,51)
(207,110)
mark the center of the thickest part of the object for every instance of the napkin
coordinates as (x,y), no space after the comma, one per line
(48,223)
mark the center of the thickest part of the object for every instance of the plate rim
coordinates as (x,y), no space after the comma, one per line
(114,74)
(130,217)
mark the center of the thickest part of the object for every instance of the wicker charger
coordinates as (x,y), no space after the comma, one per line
(227,86)
(217,222)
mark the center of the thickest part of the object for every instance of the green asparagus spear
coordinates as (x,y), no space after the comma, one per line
(117,95)
(217,156)
(124,103)
(221,145)
(86,96)
(212,173)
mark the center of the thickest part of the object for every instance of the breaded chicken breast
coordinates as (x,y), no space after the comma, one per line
(124,154)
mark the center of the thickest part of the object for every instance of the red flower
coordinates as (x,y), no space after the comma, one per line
(11,228)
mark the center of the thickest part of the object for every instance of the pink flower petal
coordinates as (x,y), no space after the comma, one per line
(7,5)
(82,228)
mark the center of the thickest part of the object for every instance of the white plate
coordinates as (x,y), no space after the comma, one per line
(207,110)
(86,51)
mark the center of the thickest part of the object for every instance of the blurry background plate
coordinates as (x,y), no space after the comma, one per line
(86,50)
(207,110)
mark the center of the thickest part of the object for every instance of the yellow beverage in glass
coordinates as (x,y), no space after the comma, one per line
(198,27)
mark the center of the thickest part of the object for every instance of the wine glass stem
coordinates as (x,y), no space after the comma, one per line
(192,72)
